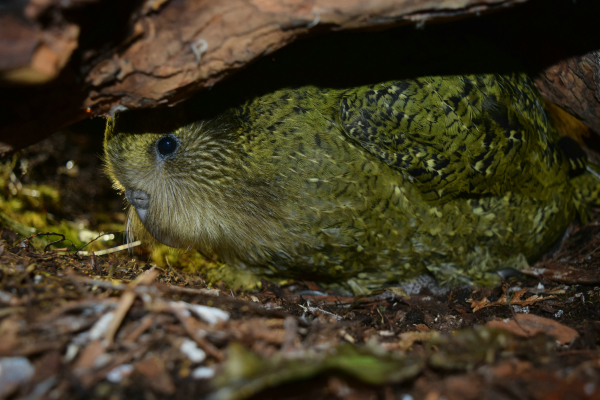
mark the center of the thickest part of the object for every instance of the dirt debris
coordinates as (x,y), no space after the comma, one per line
(73,332)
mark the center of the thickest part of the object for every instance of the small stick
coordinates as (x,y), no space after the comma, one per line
(164,287)
(144,324)
(112,249)
(127,299)
(195,334)
(514,314)
(27,241)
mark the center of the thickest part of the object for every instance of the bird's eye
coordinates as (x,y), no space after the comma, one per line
(166,145)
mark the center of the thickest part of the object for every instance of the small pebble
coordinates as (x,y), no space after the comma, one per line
(14,371)
(211,315)
(203,373)
(190,349)
(117,374)
(589,388)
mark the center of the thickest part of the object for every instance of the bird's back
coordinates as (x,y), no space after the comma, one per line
(457,175)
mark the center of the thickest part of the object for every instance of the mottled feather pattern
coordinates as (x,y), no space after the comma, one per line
(458,176)
(456,135)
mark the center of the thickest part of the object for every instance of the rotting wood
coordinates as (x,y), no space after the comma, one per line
(96,57)
(574,84)
(61,62)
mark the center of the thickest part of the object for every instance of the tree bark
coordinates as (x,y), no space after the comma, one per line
(61,62)
(574,84)
(55,72)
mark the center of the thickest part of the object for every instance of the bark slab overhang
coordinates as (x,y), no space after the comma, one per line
(212,38)
(55,70)
(574,84)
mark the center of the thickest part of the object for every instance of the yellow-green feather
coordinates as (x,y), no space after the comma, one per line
(458,176)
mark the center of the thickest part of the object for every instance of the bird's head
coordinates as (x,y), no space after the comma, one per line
(188,187)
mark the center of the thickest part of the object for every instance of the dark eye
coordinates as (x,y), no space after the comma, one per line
(166,145)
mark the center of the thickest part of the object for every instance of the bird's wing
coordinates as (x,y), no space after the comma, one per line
(453,135)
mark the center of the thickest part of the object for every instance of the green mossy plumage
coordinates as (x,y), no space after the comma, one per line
(458,176)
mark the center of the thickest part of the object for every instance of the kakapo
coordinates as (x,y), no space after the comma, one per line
(453,176)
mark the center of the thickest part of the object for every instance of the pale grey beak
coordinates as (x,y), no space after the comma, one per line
(140,200)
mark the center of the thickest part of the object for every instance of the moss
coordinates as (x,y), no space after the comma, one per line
(24,210)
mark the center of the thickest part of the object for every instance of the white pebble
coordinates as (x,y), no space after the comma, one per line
(203,373)
(589,388)
(14,371)
(190,349)
(211,315)
(72,350)
(5,297)
(117,374)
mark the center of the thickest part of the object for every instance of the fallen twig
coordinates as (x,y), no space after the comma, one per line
(127,299)
(111,250)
